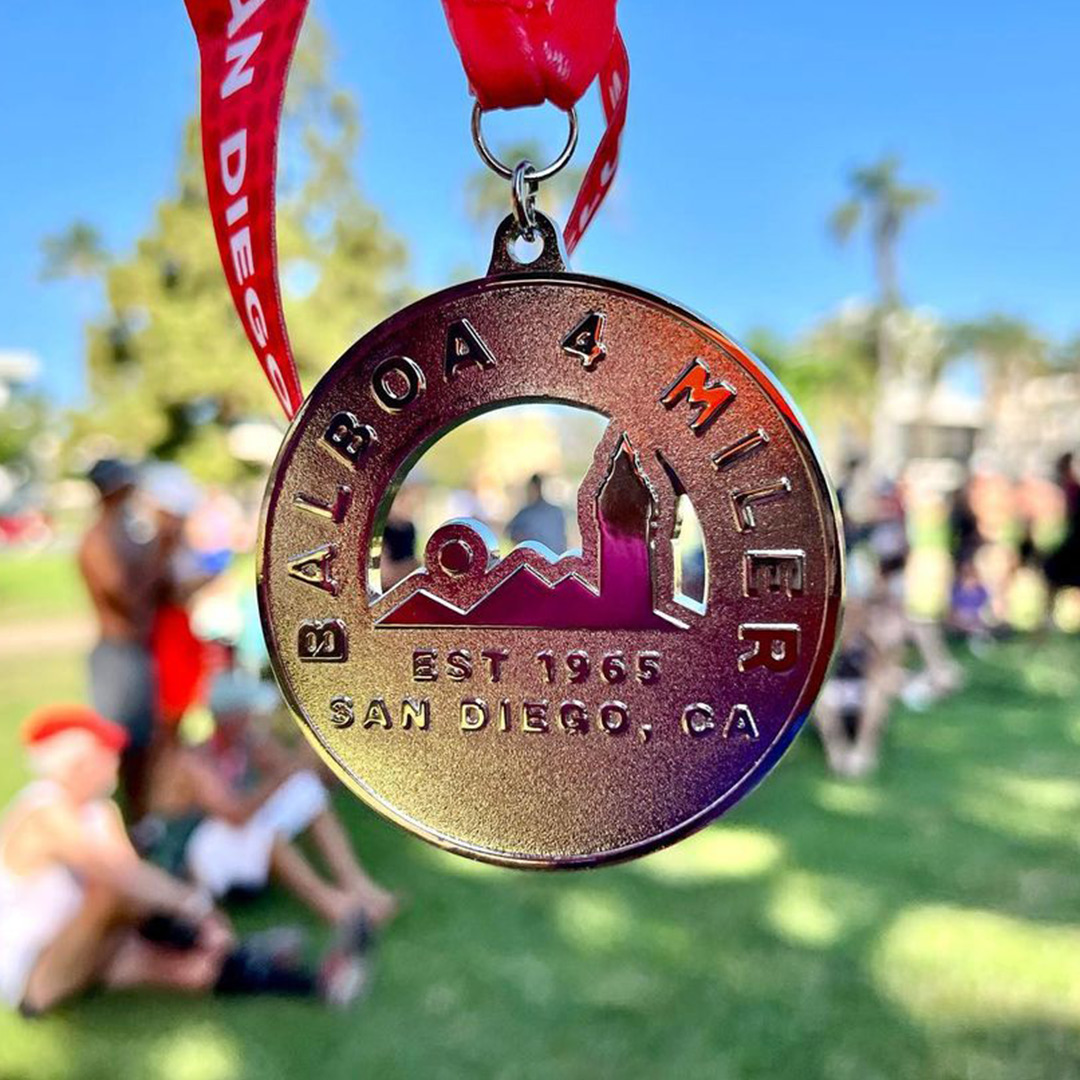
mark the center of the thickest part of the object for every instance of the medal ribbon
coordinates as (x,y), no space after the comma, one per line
(526,52)
(515,52)
(245,47)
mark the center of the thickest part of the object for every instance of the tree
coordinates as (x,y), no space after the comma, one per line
(829,371)
(169,366)
(1008,351)
(882,204)
(77,252)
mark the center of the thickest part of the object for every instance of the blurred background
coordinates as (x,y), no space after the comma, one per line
(882,202)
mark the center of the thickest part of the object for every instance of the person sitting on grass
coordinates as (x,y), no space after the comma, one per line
(226,814)
(79,909)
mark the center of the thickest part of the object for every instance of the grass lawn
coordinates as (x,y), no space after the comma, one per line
(925,925)
(37,585)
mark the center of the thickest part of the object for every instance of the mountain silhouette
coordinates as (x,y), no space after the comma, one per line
(535,587)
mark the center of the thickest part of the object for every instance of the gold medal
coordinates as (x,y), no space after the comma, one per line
(548,708)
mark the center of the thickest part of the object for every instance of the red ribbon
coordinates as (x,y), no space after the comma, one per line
(526,52)
(515,52)
(245,47)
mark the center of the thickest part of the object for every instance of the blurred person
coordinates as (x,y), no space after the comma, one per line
(970,607)
(227,814)
(538,520)
(179,654)
(398,559)
(125,578)
(847,494)
(79,909)
(852,711)
(1062,566)
(965,535)
(212,529)
(887,539)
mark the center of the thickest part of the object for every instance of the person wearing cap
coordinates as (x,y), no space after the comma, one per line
(79,908)
(227,814)
(125,579)
(69,878)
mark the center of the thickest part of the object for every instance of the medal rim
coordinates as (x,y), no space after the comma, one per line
(833,556)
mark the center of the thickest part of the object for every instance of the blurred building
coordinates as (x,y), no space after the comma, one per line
(1034,425)
(939,432)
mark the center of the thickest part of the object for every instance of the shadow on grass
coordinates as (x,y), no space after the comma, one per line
(922,925)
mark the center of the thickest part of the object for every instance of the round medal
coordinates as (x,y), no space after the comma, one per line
(553,708)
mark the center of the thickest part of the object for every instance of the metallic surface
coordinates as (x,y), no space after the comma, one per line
(523,190)
(553,709)
(505,171)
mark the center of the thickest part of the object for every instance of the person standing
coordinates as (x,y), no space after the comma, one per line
(125,579)
(539,520)
(1063,564)
(180,657)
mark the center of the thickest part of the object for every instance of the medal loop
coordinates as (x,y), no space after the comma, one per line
(523,188)
(503,170)
(518,53)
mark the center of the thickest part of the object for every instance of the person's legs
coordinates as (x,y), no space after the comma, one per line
(300,807)
(73,960)
(136,962)
(289,866)
(334,846)
(100,946)
(866,748)
(122,689)
(945,675)
(830,725)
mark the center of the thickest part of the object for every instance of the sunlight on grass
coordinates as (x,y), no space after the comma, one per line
(815,910)
(1028,807)
(445,863)
(951,966)
(855,800)
(41,1049)
(718,852)
(625,986)
(591,919)
(1051,679)
(1056,795)
(196,1053)
(921,926)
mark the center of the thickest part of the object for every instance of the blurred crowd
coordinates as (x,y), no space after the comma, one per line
(179,791)
(119,860)
(1009,561)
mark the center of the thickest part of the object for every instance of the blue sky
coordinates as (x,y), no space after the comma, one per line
(743,119)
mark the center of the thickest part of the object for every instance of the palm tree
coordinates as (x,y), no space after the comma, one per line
(1007,349)
(77,252)
(883,203)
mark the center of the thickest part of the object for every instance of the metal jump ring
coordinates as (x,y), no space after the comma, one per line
(523,189)
(505,171)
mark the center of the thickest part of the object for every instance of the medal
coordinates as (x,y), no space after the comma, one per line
(552,708)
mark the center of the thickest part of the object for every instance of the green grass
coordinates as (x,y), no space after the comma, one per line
(38,585)
(925,925)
